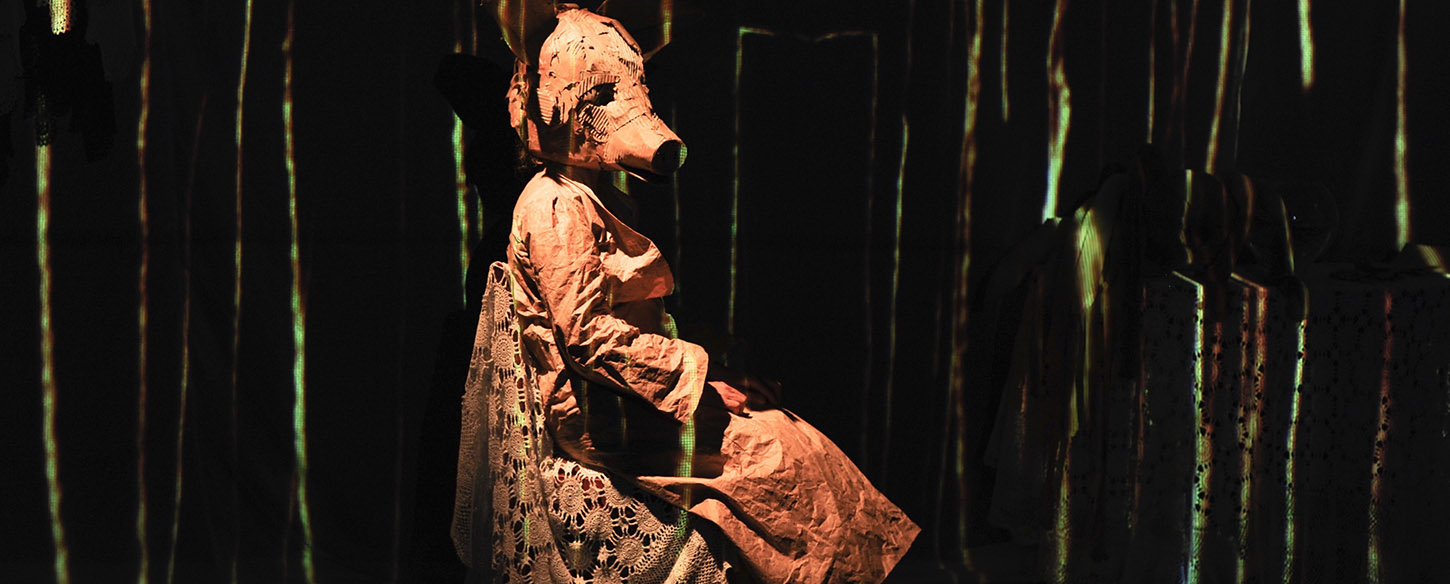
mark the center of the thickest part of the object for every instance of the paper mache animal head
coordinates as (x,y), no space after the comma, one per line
(578,95)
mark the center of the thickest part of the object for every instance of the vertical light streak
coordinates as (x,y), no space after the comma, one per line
(1202,446)
(735,188)
(895,289)
(1381,446)
(59,24)
(473,28)
(237,264)
(460,181)
(967,174)
(144,225)
(1251,386)
(1003,57)
(1142,415)
(1306,45)
(1062,525)
(299,309)
(1223,50)
(1059,111)
(1152,65)
(868,312)
(686,465)
(675,207)
(1239,83)
(185,342)
(735,182)
(1177,117)
(1402,141)
(47,361)
(1293,458)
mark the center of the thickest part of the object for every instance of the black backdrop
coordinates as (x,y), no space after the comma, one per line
(828,155)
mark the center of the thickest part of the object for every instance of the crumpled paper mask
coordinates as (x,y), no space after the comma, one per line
(582,100)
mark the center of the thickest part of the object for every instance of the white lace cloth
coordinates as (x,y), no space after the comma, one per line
(524,515)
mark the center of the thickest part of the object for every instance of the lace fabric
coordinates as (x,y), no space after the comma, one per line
(524,515)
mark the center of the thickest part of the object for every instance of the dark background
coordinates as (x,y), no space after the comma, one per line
(854,218)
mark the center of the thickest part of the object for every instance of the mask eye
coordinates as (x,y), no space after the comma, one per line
(599,95)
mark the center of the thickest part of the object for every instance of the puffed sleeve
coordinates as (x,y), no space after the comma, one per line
(565,241)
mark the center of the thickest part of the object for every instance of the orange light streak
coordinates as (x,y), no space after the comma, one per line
(1006,105)
(1402,142)
(1152,66)
(1180,85)
(1243,64)
(185,342)
(1374,570)
(144,224)
(1223,50)
(1251,387)
(967,170)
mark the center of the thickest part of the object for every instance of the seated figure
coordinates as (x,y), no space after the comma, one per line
(626,416)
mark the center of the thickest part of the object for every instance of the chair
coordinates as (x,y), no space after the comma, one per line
(522,514)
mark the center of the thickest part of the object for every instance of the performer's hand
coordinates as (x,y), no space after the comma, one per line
(735,400)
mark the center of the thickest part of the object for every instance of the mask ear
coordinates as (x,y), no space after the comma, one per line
(524,23)
(649,22)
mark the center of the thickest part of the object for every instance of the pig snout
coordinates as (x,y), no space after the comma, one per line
(646,144)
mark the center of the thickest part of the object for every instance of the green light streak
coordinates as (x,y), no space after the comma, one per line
(47,360)
(1289,470)
(895,288)
(299,310)
(620,180)
(735,181)
(1306,46)
(59,24)
(686,468)
(1187,201)
(237,261)
(460,185)
(1223,49)
(144,226)
(1059,111)
(1202,444)
(1402,141)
